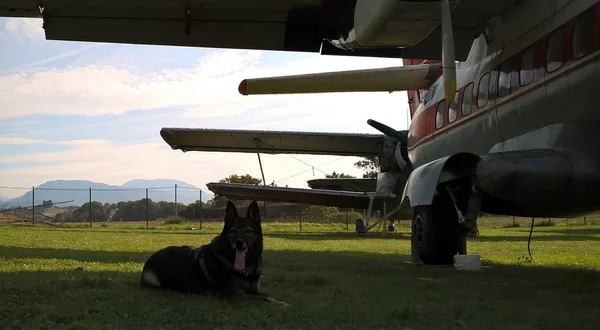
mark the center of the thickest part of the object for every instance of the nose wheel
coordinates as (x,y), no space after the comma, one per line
(434,239)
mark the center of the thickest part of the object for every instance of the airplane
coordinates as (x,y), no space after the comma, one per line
(501,96)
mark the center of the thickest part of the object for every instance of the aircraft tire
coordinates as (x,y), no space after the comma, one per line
(436,230)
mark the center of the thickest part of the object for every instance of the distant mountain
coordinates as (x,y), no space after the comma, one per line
(78,191)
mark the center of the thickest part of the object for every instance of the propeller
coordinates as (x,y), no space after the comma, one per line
(401,137)
(385,129)
(448,59)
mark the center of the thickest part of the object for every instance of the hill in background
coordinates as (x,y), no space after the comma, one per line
(78,191)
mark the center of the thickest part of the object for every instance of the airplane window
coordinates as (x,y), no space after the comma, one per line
(583,34)
(467,100)
(504,79)
(439,116)
(527,64)
(554,53)
(453,108)
(482,93)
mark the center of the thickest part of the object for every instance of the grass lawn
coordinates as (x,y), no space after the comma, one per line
(87,278)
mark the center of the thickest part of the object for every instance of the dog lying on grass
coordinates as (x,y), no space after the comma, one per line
(229,266)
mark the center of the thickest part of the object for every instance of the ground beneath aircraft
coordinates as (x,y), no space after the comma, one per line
(334,280)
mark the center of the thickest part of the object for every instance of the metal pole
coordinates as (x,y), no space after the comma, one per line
(176,200)
(200,215)
(262,173)
(33,206)
(300,220)
(90,206)
(146,208)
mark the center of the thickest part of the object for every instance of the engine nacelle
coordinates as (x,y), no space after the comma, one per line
(392,157)
(390,23)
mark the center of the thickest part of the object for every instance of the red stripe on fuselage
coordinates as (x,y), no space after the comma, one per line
(423,126)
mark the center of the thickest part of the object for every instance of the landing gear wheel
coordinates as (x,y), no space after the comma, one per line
(435,228)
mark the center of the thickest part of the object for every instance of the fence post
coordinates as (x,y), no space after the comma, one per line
(90,207)
(347,224)
(200,215)
(33,206)
(176,200)
(146,208)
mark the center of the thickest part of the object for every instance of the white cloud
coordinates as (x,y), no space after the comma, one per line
(98,90)
(208,89)
(63,55)
(24,28)
(17,140)
(114,163)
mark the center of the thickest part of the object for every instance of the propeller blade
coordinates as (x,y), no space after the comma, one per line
(448,59)
(385,129)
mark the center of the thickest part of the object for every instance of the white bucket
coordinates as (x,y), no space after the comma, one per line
(467,262)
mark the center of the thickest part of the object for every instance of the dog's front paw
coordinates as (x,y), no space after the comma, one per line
(279,302)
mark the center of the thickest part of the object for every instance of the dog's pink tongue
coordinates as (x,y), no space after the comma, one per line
(240,260)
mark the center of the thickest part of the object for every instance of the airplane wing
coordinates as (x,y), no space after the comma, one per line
(346,184)
(272,142)
(389,28)
(342,199)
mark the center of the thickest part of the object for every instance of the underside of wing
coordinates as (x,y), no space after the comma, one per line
(342,199)
(272,142)
(390,28)
(346,184)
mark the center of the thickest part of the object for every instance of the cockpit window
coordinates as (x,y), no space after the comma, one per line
(430,93)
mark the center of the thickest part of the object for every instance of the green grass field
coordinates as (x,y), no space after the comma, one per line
(88,278)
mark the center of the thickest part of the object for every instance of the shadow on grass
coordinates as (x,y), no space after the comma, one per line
(366,262)
(13,252)
(327,289)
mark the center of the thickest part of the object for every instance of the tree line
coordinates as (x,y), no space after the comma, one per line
(143,209)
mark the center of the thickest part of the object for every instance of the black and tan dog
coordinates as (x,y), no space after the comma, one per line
(228,266)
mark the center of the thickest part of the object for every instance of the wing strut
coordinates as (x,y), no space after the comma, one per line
(263,176)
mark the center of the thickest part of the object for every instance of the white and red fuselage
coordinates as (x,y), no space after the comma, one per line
(539,91)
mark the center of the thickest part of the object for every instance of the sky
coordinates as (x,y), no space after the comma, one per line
(93,111)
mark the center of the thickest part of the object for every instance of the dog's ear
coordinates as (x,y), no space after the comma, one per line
(230,212)
(253,212)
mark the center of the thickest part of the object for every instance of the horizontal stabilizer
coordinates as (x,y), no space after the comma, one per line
(370,80)
(272,142)
(347,184)
(343,199)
